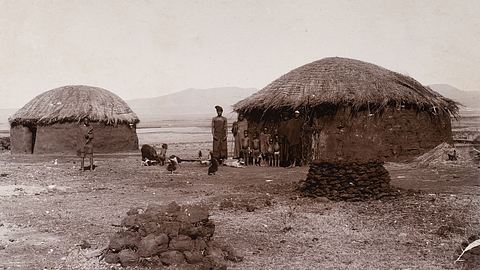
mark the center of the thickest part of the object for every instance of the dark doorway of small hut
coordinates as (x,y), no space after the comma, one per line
(33,130)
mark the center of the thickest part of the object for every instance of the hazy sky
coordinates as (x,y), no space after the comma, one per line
(150,48)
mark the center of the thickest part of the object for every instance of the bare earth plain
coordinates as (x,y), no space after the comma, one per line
(48,209)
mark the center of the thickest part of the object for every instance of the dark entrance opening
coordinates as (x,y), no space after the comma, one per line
(33,130)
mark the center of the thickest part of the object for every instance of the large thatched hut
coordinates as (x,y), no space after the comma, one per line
(50,123)
(353,110)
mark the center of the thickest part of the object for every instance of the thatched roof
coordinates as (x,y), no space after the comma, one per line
(344,82)
(71,104)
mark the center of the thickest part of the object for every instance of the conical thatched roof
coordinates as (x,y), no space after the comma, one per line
(73,103)
(344,82)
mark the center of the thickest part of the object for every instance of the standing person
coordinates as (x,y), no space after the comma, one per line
(264,143)
(283,134)
(294,127)
(246,151)
(276,152)
(256,153)
(86,143)
(238,129)
(219,132)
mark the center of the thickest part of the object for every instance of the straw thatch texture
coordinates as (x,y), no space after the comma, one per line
(344,82)
(73,103)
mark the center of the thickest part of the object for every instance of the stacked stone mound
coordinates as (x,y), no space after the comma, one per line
(4,143)
(349,181)
(171,235)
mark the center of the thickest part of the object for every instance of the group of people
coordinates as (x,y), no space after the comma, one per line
(276,147)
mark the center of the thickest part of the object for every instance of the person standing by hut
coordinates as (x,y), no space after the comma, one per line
(295,126)
(238,129)
(86,143)
(264,144)
(283,134)
(219,132)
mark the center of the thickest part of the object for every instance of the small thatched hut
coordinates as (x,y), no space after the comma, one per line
(354,111)
(50,123)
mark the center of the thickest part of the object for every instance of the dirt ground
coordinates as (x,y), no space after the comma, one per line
(48,209)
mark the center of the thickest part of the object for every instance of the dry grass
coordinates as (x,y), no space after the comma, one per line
(73,103)
(345,82)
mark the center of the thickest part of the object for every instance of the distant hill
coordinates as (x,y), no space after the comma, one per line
(467,98)
(4,115)
(189,103)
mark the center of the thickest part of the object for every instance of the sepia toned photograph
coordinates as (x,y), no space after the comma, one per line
(239,134)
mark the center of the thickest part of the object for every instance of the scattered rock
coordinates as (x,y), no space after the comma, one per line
(172,257)
(128,257)
(193,257)
(96,253)
(124,240)
(231,254)
(153,244)
(85,244)
(112,258)
(181,243)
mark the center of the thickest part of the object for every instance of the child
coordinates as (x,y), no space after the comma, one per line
(245,152)
(276,152)
(269,154)
(256,151)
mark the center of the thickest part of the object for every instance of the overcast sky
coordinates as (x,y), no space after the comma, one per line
(151,48)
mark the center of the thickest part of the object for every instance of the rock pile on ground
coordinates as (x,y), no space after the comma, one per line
(349,181)
(4,143)
(171,235)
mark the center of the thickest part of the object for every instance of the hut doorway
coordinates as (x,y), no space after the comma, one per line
(33,130)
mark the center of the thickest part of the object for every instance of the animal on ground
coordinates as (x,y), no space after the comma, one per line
(149,155)
(172,164)
(452,156)
(213,168)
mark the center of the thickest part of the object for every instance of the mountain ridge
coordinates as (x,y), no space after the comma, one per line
(469,99)
(191,101)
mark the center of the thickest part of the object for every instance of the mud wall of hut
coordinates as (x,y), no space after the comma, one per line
(390,136)
(65,138)
(393,135)
(21,140)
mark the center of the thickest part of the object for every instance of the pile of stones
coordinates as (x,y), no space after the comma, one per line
(170,235)
(4,143)
(348,181)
